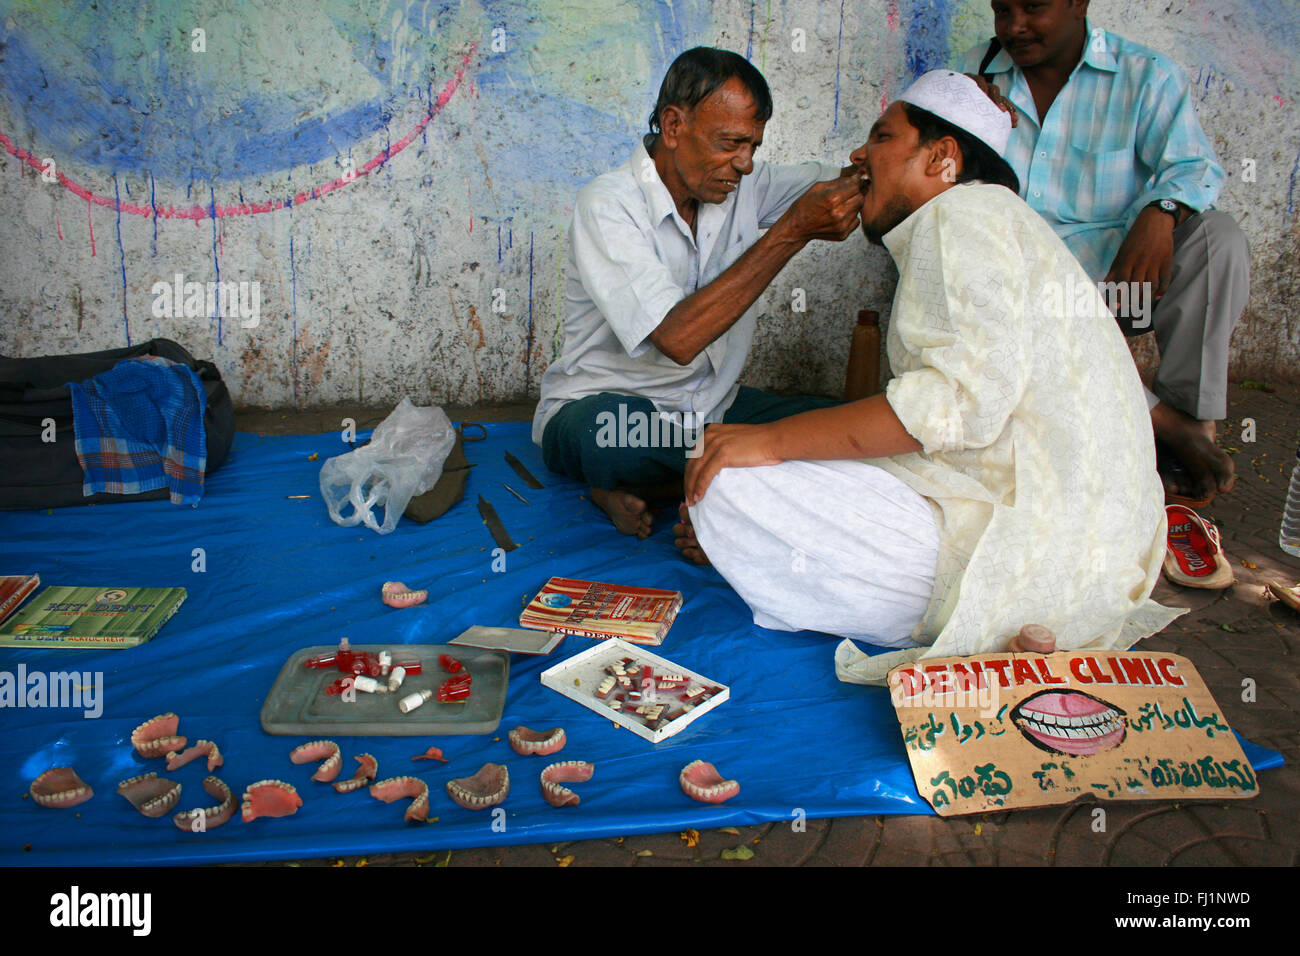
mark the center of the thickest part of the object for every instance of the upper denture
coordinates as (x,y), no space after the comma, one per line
(60,787)
(156,737)
(487,788)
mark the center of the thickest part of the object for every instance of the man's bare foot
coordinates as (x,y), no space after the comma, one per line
(629,513)
(1206,468)
(684,538)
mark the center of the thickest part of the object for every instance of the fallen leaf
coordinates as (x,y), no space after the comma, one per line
(645,853)
(739,853)
(732,830)
(421,860)
(337,863)
(692,837)
(1228,627)
(313,456)
(1247,564)
(445,861)
(363,862)
(564,860)
(979,828)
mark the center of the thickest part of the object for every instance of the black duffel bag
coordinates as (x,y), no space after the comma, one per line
(39,474)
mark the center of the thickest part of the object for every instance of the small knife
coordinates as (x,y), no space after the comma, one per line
(499,533)
(523,472)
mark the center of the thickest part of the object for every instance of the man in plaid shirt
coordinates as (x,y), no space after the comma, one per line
(1109,150)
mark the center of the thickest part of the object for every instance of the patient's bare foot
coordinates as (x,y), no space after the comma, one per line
(1209,469)
(684,538)
(629,513)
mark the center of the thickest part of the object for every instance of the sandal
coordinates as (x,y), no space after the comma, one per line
(1193,557)
(1288,596)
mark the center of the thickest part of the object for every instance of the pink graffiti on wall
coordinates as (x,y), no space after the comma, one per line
(215,211)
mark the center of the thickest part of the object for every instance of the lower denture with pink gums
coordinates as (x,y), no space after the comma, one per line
(701,781)
(156,737)
(151,794)
(395,788)
(540,742)
(211,816)
(366,772)
(269,798)
(568,771)
(398,595)
(326,751)
(487,788)
(203,748)
(59,788)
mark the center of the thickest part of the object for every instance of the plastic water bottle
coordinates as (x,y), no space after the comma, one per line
(1289,537)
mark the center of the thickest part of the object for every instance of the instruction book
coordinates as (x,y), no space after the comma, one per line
(94,618)
(593,609)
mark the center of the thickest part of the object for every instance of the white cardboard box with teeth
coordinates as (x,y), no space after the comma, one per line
(611,679)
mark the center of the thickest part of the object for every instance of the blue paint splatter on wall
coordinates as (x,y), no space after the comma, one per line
(126,321)
(927,23)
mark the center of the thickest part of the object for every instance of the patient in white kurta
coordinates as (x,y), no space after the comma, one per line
(1006,476)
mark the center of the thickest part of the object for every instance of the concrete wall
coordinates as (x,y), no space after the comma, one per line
(380,168)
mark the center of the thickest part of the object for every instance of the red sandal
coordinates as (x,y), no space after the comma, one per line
(1193,557)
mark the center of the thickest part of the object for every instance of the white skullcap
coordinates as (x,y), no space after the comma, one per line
(959,100)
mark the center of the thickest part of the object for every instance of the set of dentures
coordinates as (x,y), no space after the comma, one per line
(152,795)
(633,688)
(701,781)
(543,743)
(155,796)
(398,595)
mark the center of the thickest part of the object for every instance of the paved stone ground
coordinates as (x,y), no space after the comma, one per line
(1229,635)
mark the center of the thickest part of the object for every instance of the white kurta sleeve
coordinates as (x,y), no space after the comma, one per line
(620,269)
(964,322)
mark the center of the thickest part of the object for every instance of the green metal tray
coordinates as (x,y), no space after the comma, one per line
(298,705)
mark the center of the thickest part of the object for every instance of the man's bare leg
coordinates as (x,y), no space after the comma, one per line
(1211,470)
(630,508)
(684,538)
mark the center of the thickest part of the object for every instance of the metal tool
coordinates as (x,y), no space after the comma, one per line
(499,533)
(523,472)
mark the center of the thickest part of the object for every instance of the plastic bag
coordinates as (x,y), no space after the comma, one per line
(404,459)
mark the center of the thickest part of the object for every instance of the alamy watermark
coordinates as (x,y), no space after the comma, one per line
(639,429)
(938,687)
(196,300)
(1132,301)
(79,690)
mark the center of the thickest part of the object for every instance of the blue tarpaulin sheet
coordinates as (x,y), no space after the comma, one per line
(277,575)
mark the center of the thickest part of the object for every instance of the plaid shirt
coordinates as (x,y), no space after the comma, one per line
(1121,134)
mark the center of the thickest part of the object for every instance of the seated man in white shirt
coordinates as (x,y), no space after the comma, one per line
(666,257)
(988,487)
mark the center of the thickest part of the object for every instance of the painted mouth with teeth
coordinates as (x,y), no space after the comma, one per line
(1069,722)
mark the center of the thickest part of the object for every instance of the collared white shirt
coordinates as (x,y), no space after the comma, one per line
(631,258)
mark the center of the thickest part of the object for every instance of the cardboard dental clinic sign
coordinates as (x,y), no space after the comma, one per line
(998,731)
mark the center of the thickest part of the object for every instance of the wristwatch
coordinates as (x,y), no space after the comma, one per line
(1169,206)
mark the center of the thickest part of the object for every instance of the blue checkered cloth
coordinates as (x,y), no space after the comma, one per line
(139,426)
